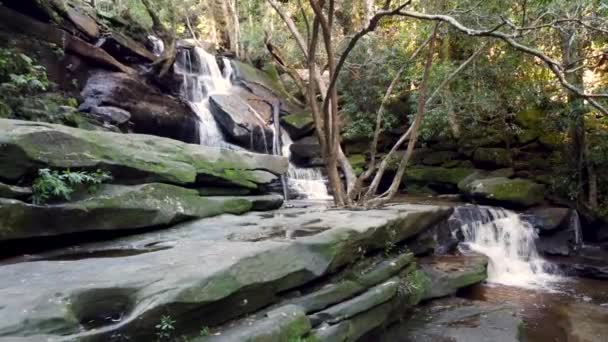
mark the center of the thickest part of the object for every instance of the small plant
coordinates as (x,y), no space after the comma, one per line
(52,184)
(204,332)
(165,328)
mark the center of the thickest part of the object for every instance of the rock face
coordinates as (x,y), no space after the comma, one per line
(511,192)
(114,207)
(447,274)
(220,269)
(241,122)
(25,147)
(151,112)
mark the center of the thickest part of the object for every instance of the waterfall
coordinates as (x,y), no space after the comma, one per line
(202,78)
(509,244)
(307,181)
(158,47)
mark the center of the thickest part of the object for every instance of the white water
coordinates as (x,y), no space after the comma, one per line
(158,47)
(202,78)
(307,181)
(508,242)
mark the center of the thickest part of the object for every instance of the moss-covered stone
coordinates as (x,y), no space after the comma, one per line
(436,158)
(298,124)
(495,157)
(437,175)
(114,207)
(553,140)
(530,118)
(358,162)
(527,135)
(26,146)
(509,192)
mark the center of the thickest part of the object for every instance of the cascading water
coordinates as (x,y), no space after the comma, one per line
(307,181)
(509,243)
(202,78)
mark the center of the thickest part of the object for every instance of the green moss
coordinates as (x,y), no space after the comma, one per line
(302,120)
(5,110)
(529,118)
(358,162)
(516,189)
(434,174)
(437,158)
(493,156)
(552,140)
(527,136)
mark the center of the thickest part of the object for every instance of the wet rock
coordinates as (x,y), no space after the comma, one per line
(13,191)
(299,124)
(557,243)
(215,276)
(306,148)
(446,274)
(509,192)
(112,115)
(457,320)
(131,158)
(241,122)
(152,112)
(548,218)
(113,207)
(590,262)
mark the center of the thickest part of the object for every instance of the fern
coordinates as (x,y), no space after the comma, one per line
(53,184)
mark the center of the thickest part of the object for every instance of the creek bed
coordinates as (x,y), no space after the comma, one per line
(573,310)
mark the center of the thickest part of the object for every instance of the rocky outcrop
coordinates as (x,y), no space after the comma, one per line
(220,269)
(446,274)
(25,147)
(116,207)
(510,192)
(241,122)
(150,111)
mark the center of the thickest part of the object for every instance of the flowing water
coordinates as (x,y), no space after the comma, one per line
(202,78)
(307,181)
(509,244)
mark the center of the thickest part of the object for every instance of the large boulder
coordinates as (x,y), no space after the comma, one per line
(134,158)
(151,111)
(444,179)
(113,207)
(241,122)
(509,192)
(298,124)
(306,148)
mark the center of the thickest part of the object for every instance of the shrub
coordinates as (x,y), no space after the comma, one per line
(52,184)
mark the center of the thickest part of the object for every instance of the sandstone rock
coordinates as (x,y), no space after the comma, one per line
(299,124)
(241,123)
(510,192)
(112,115)
(26,146)
(493,157)
(13,191)
(152,112)
(446,274)
(217,273)
(113,207)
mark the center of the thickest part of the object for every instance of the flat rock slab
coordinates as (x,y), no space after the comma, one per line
(27,146)
(446,274)
(116,207)
(202,274)
(456,320)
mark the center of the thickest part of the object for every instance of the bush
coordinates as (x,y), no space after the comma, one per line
(52,184)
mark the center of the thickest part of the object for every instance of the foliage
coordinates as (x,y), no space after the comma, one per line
(19,74)
(165,328)
(53,184)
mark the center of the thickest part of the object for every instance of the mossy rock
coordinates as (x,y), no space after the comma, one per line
(414,188)
(113,207)
(552,140)
(134,158)
(530,118)
(5,111)
(439,157)
(299,124)
(358,162)
(493,157)
(509,192)
(527,136)
(437,175)
(488,138)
